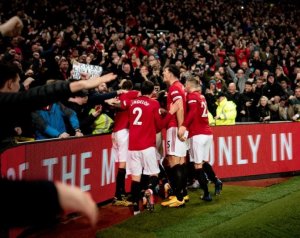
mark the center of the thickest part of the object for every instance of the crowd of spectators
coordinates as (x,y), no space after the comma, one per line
(248,50)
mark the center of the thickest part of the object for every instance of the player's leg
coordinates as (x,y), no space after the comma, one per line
(150,167)
(136,191)
(169,184)
(208,169)
(176,151)
(120,151)
(184,171)
(198,151)
(135,168)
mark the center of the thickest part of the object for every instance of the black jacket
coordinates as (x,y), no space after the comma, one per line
(271,90)
(250,110)
(15,105)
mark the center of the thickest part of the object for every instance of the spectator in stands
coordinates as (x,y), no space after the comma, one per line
(263,110)
(265,74)
(127,72)
(210,97)
(256,63)
(240,78)
(297,80)
(49,122)
(41,96)
(226,111)
(135,47)
(103,123)
(45,42)
(233,95)
(220,82)
(249,101)
(156,76)
(242,52)
(269,66)
(44,200)
(279,109)
(280,76)
(272,87)
(99,95)
(141,75)
(168,57)
(294,106)
(64,70)
(267,54)
(258,86)
(286,88)
(223,73)
(256,74)
(78,103)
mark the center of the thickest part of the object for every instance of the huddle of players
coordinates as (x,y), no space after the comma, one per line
(138,121)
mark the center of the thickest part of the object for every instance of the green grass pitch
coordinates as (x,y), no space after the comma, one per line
(239,212)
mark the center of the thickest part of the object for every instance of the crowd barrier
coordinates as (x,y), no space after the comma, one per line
(240,150)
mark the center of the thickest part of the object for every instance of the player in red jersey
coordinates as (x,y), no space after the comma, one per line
(176,149)
(144,122)
(200,136)
(120,137)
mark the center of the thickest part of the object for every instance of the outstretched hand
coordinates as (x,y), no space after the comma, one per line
(72,199)
(91,83)
(107,78)
(113,102)
(13,27)
(95,82)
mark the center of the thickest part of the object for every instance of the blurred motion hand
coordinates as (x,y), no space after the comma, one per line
(13,27)
(72,199)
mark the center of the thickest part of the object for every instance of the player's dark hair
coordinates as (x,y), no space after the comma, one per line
(147,88)
(127,85)
(162,99)
(172,68)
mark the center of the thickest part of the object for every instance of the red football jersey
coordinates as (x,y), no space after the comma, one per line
(122,116)
(144,121)
(175,92)
(196,119)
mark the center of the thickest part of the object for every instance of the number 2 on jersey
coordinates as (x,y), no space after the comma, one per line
(139,113)
(204,106)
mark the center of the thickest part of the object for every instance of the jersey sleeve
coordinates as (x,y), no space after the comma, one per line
(175,94)
(160,122)
(191,110)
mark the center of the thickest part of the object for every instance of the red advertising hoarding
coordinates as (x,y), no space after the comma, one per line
(240,150)
(245,150)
